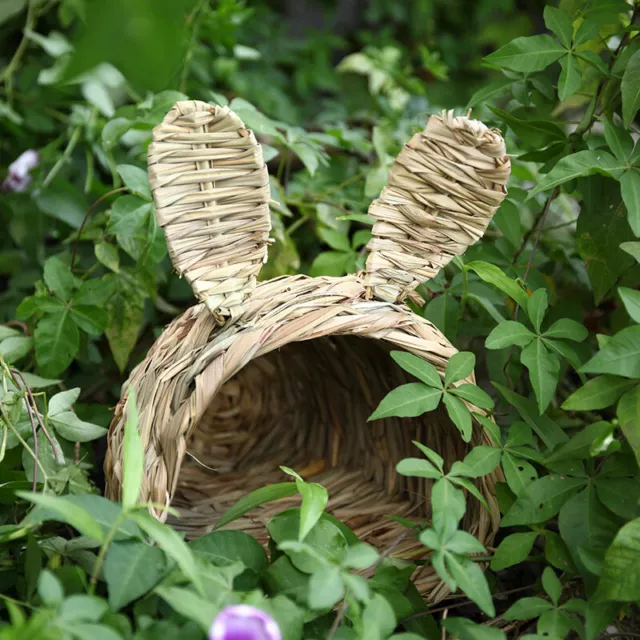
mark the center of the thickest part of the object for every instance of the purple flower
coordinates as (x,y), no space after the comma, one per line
(243,622)
(19,178)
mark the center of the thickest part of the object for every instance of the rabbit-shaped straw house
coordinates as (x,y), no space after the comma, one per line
(264,374)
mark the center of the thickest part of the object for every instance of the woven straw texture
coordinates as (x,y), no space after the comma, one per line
(442,191)
(288,371)
(211,190)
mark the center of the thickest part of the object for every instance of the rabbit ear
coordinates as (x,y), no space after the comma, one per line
(442,191)
(211,190)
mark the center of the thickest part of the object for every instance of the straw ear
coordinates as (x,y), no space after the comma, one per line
(442,191)
(211,190)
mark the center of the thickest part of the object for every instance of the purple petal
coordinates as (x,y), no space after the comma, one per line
(244,622)
(28,160)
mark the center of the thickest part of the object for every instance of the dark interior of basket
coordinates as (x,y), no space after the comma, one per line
(306,406)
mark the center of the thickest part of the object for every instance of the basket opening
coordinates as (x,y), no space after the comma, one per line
(306,406)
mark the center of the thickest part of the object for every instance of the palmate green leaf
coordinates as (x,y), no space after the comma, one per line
(93,320)
(548,431)
(133,456)
(360,556)
(466,629)
(534,133)
(518,473)
(473,394)
(490,426)
(459,414)
(537,307)
(594,60)
(598,393)
(460,366)
(131,569)
(566,329)
(509,333)
(630,87)
(255,499)
(57,341)
(588,30)
(58,277)
(630,189)
(513,550)
(314,501)
(542,500)
(570,76)
(620,356)
(471,488)
(619,140)
(495,276)
(631,299)
(619,582)
(430,454)
(418,468)
(471,579)
(448,504)
(408,401)
(462,542)
(559,24)
(527,54)
(544,370)
(480,461)
(418,367)
(527,608)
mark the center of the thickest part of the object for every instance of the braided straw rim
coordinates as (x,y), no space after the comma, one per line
(211,190)
(442,191)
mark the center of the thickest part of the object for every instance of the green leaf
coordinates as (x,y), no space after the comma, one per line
(544,370)
(534,133)
(462,542)
(82,608)
(620,495)
(599,236)
(459,414)
(133,456)
(70,427)
(570,76)
(566,329)
(255,499)
(190,605)
(632,248)
(518,473)
(557,554)
(619,582)
(314,501)
(57,342)
(430,454)
(325,588)
(507,219)
(466,629)
(509,333)
(460,366)
(58,277)
(49,589)
(13,349)
(491,427)
(471,579)
(330,263)
(408,401)
(559,24)
(631,299)
(107,254)
(360,556)
(417,468)
(578,448)
(131,569)
(444,312)
(619,140)
(378,619)
(551,585)
(73,514)
(480,461)
(620,356)
(418,367)
(537,307)
(598,393)
(494,275)
(253,118)
(541,500)
(473,394)
(470,488)
(93,320)
(587,31)
(630,87)
(489,91)
(447,502)
(527,54)
(629,416)
(171,543)
(136,180)
(548,431)
(335,239)
(527,608)
(513,550)
(576,165)
(630,189)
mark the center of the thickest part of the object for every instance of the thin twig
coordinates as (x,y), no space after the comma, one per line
(7,74)
(90,210)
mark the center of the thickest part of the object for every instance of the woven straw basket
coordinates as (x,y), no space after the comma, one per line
(278,373)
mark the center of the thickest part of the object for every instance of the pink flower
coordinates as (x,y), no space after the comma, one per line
(243,622)
(19,178)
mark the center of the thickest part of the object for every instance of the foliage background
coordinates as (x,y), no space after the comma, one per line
(548,301)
